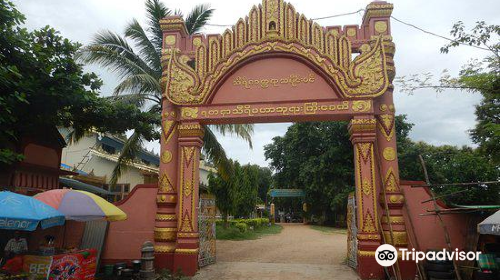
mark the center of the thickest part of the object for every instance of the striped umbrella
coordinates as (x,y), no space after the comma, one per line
(81,205)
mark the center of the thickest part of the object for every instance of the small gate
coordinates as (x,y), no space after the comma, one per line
(206,227)
(352,231)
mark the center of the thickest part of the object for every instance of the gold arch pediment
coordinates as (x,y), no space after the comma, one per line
(273,28)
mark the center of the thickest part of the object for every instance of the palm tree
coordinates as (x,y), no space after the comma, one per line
(140,70)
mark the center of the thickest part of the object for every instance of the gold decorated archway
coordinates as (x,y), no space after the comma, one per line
(276,65)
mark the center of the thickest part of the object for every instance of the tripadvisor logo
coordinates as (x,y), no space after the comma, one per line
(387,255)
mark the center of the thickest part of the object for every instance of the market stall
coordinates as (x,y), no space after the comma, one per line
(22,213)
(71,265)
(53,262)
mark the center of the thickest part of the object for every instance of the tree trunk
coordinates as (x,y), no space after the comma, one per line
(225,220)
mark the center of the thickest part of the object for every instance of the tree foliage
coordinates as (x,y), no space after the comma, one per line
(135,57)
(238,194)
(42,86)
(318,158)
(481,77)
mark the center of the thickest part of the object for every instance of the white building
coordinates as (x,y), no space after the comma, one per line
(97,155)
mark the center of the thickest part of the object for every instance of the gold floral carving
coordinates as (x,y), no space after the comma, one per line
(386,125)
(362,236)
(362,125)
(365,254)
(186,251)
(188,234)
(396,199)
(368,223)
(389,154)
(380,27)
(170,40)
(400,237)
(361,106)
(181,79)
(351,32)
(165,234)
(377,9)
(166,217)
(188,112)
(186,223)
(165,184)
(164,248)
(188,153)
(390,181)
(393,220)
(166,156)
(191,130)
(166,198)
(196,41)
(364,150)
(366,187)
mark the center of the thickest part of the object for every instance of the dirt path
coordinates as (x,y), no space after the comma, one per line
(298,252)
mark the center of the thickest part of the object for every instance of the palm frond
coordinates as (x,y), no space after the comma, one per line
(146,48)
(112,51)
(215,153)
(155,11)
(141,84)
(244,131)
(198,17)
(131,147)
(137,99)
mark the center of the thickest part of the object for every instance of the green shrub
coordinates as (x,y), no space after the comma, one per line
(241,226)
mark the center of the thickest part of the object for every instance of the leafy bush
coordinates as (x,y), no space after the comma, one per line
(241,226)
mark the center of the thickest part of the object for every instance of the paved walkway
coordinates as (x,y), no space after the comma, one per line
(298,252)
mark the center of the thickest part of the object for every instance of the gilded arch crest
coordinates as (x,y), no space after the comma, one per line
(275,28)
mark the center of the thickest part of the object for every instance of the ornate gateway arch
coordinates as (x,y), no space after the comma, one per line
(275,65)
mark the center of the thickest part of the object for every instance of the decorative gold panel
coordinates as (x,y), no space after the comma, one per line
(271,27)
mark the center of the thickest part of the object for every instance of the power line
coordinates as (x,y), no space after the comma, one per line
(434,34)
(339,15)
(319,18)
(396,19)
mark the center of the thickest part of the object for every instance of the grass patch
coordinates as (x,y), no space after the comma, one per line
(233,233)
(329,230)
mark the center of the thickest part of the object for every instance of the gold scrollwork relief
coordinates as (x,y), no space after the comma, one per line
(390,181)
(400,237)
(366,187)
(393,220)
(166,156)
(166,217)
(186,251)
(369,223)
(365,254)
(189,113)
(164,248)
(165,234)
(361,106)
(389,154)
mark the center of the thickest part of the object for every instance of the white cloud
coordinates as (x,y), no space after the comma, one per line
(439,118)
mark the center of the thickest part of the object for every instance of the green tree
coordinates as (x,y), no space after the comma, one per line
(224,192)
(247,184)
(140,71)
(265,182)
(238,193)
(318,158)
(481,77)
(42,87)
